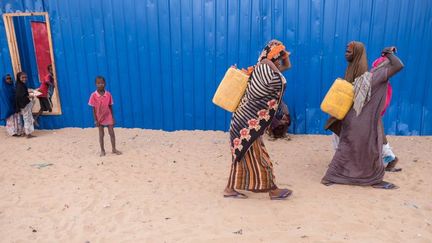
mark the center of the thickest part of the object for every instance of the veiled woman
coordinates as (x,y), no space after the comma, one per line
(358,158)
(8,111)
(251,167)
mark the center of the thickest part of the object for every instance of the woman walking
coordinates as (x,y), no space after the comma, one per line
(251,167)
(355,55)
(358,158)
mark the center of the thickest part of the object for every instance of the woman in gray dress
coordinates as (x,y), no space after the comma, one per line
(358,158)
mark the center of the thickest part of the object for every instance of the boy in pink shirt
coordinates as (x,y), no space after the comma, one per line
(101,101)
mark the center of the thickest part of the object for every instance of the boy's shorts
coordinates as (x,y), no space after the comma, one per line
(44,103)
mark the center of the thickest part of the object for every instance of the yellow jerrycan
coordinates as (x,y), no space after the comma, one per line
(231,89)
(339,99)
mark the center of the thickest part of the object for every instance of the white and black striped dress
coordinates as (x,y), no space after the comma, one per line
(257,108)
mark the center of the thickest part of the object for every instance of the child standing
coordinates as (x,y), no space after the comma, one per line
(24,102)
(101,101)
(45,96)
(9,111)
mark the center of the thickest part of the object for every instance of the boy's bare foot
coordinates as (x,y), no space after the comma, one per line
(30,136)
(102,153)
(115,151)
(391,166)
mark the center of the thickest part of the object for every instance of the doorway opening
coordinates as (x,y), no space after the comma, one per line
(31,50)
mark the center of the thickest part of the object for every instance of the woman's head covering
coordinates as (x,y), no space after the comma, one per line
(272,51)
(19,75)
(7,98)
(358,65)
(4,83)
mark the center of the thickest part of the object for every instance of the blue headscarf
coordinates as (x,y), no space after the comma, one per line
(7,98)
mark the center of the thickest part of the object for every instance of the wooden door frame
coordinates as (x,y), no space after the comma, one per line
(14,53)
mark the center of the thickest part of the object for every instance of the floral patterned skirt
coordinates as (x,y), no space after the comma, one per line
(28,118)
(14,125)
(254,172)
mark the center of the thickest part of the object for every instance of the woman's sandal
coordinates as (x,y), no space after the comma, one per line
(237,195)
(326,182)
(385,185)
(284,194)
(391,166)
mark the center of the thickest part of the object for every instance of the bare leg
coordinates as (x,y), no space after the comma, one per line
(37,116)
(101,140)
(112,136)
(391,166)
(383,134)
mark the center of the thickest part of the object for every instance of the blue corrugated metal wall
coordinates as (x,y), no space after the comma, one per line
(25,44)
(164,59)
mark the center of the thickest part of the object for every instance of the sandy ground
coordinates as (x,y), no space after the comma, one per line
(167,187)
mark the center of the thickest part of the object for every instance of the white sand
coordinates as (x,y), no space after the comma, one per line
(167,187)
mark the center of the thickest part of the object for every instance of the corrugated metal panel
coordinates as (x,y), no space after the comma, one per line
(164,59)
(24,34)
